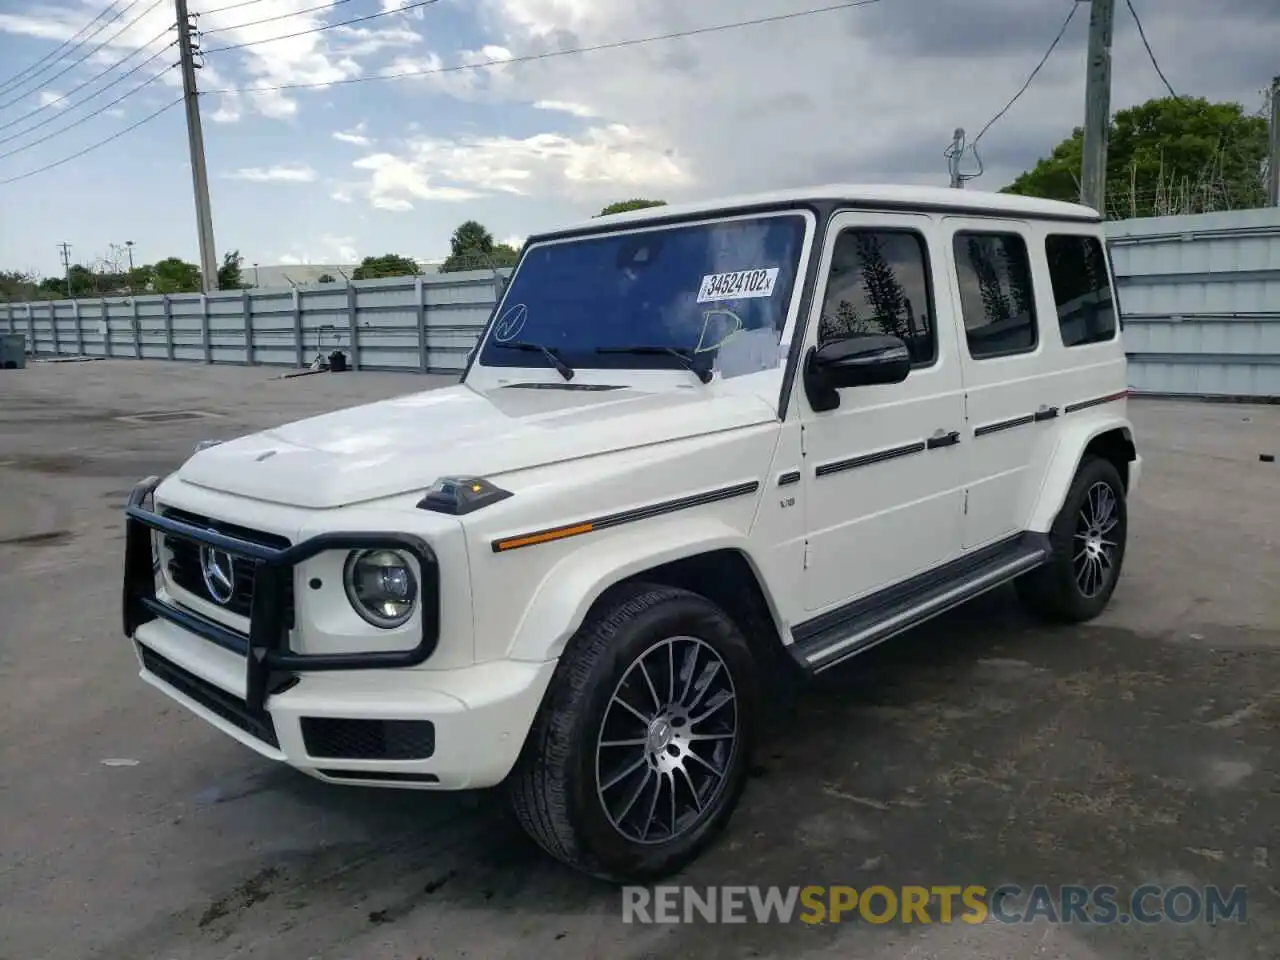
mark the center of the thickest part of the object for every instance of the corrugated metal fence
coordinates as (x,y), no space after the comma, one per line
(1200,297)
(412,323)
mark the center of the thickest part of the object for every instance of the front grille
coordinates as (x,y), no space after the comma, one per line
(185,571)
(256,723)
(336,738)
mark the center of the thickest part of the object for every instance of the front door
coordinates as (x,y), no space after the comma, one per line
(883,480)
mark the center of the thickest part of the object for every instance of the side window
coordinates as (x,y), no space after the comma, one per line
(996,296)
(1078,270)
(879,283)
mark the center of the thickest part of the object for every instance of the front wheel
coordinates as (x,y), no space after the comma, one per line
(1088,541)
(640,752)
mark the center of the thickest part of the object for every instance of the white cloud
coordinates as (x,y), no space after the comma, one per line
(228,111)
(576,109)
(280,173)
(52,98)
(395,182)
(327,248)
(599,162)
(342,196)
(355,135)
(447,78)
(276,57)
(859,94)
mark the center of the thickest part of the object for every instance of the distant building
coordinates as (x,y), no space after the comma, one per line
(286,275)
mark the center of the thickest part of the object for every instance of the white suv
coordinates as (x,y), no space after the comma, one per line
(697,450)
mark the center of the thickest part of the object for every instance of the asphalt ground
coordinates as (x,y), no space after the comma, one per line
(982,749)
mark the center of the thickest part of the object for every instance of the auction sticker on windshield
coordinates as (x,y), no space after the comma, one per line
(737,285)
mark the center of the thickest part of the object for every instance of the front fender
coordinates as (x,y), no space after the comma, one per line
(569,589)
(1073,439)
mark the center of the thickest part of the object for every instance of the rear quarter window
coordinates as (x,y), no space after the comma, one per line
(1081,289)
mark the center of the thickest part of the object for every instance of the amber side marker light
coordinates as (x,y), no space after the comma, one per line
(545,536)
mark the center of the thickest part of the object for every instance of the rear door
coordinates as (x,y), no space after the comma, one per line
(1008,365)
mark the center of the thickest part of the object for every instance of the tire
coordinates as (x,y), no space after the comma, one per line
(555,788)
(1061,591)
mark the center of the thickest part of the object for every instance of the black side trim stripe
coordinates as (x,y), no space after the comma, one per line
(579,527)
(880,456)
(989,428)
(788,478)
(1096,401)
(1048,413)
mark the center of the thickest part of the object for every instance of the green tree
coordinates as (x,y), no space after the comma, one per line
(140,278)
(17,285)
(504,255)
(623,206)
(229,276)
(470,248)
(1165,156)
(174,275)
(387,265)
(471,236)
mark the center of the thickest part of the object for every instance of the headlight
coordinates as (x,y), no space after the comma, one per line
(381,587)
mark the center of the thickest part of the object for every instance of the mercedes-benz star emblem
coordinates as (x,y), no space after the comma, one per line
(219,574)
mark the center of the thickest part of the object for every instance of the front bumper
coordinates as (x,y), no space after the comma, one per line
(347,717)
(430,729)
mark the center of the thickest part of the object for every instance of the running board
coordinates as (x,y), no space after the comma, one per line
(839,634)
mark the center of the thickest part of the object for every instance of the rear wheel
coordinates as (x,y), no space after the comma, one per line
(1088,541)
(640,752)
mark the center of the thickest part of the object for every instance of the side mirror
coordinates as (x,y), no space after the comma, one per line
(859,360)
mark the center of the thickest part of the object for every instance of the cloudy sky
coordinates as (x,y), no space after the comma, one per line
(343,164)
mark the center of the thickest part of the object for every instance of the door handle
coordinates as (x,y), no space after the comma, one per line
(941,439)
(1046,413)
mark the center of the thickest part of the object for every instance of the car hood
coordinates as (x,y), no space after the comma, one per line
(404,444)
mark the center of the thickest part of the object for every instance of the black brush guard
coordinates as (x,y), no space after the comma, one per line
(265,649)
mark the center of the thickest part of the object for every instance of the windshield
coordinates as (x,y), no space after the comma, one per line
(717,292)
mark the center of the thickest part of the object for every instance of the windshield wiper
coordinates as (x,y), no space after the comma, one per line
(703,373)
(562,368)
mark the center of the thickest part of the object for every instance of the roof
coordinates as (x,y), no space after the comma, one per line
(870,195)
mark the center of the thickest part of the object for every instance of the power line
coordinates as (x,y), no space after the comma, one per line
(22,133)
(229,6)
(119,13)
(53,54)
(97,76)
(75,63)
(1150,53)
(281,16)
(572,51)
(1034,73)
(327,26)
(93,146)
(87,117)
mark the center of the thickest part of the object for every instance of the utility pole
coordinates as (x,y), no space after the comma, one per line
(1273,171)
(187,50)
(1097,104)
(66,263)
(954,153)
